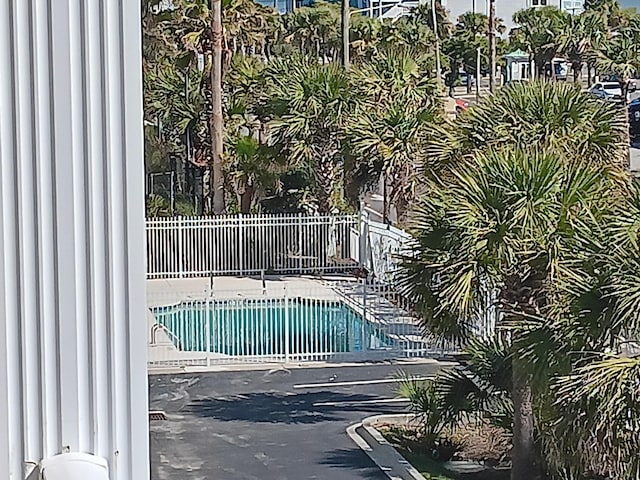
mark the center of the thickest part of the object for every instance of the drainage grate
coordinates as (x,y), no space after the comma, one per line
(157,415)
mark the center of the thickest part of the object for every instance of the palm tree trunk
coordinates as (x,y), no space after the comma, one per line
(325,179)
(216,180)
(523,454)
(246,199)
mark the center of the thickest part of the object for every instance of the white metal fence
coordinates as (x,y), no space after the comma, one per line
(332,321)
(245,245)
(322,321)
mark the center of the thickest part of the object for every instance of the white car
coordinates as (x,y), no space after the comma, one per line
(610,91)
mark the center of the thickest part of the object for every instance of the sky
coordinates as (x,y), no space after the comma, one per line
(630,3)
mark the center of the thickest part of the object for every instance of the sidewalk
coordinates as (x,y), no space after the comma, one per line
(635,158)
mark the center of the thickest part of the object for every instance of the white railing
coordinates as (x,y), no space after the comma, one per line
(282,323)
(206,321)
(248,244)
(377,247)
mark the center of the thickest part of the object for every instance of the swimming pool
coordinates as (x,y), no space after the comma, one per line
(268,327)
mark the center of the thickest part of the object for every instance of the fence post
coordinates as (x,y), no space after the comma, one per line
(300,240)
(364,238)
(365,321)
(207,326)
(241,243)
(286,326)
(179,229)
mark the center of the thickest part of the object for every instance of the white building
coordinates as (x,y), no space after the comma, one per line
(72,245)
(506,8)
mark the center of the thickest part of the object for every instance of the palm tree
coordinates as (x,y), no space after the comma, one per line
(423,14)
(469,36)
(545,115)
(315,30)
(595,403)
(577,38)
(254,168)
(620,57)
(366,34)
(599,430)
(390,137)
(395,71)
(538,33)
(309,104)
(501,222)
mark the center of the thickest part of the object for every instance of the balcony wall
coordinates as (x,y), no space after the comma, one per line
(72,338)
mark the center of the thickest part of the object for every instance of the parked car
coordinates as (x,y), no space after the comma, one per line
(634,118)
(609,91)
(461,106)
(633,82)
(465,78)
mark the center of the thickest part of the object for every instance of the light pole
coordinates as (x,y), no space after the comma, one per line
(478,60)
(492,45)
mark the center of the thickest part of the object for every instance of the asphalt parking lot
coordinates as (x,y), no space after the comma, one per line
(270,425)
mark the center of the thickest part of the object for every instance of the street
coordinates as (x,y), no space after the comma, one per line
(270,425)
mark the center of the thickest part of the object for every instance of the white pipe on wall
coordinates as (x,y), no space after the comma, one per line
(72,329)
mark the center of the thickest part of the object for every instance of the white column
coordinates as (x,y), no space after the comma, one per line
(72,313)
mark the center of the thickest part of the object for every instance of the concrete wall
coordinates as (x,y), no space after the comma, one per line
(72,317)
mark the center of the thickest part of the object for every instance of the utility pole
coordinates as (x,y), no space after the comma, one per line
(478,60)
(345,34)
(216,181)
(492,45)
(435,32)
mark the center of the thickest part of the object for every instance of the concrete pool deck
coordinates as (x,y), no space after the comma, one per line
(161,291)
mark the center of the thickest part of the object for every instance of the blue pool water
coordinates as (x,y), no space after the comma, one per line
(257,327)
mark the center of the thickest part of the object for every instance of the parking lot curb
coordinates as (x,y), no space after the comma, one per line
(382,453)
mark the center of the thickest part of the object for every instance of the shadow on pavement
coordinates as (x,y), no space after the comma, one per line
(355,459)
(269,407)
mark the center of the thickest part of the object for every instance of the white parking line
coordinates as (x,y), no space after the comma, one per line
(363,402)
(357,382)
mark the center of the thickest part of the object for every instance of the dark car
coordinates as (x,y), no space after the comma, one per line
(634,118)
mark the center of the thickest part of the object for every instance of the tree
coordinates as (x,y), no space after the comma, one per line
(537,33)
(309,105)
(315,30)
(250,28)
(365,36)
(620,57)
(469,36)
(508,185)
(390,138)
(255,168)
(581,35)
(423,14)
(216,179)
(601,419)
(545,115)
(196,28)
(500,223)
(399,105)
(593,429)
